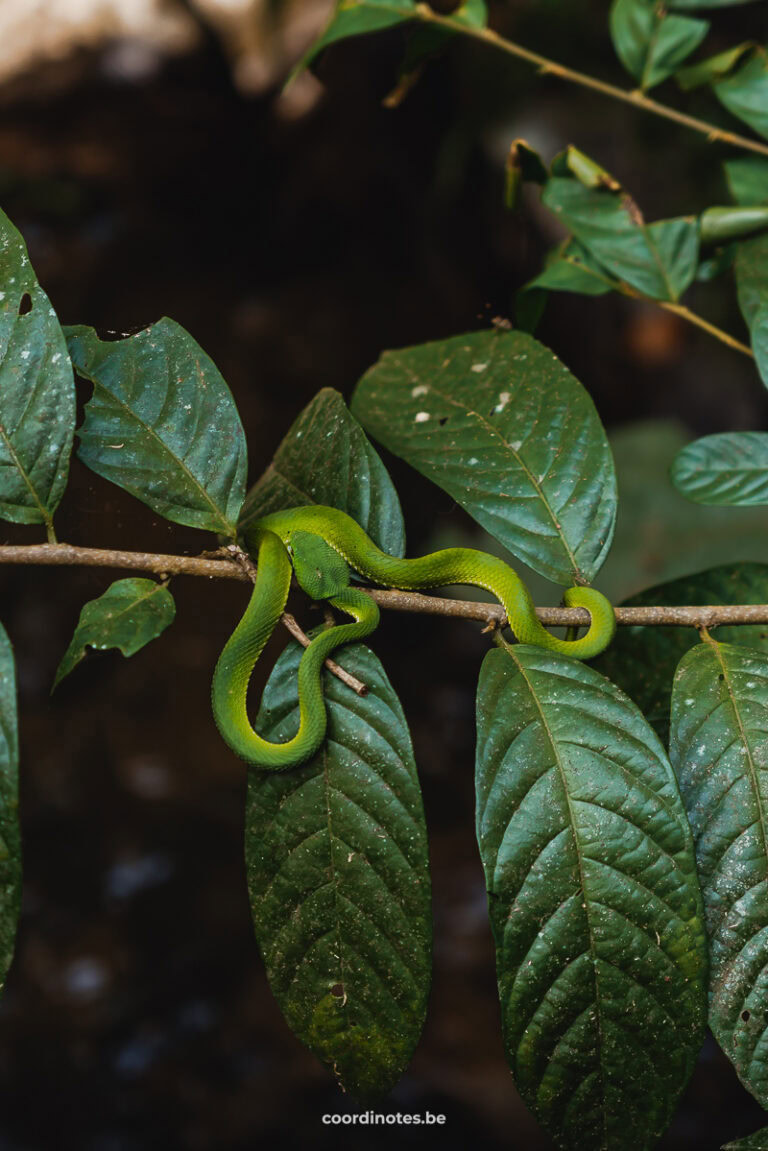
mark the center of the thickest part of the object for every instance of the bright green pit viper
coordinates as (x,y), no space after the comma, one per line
(321,545)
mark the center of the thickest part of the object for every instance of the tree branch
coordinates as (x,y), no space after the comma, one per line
(551,68)
(708,615)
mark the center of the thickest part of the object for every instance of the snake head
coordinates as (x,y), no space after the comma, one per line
(320,571)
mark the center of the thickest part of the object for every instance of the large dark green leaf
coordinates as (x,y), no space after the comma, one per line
(338,876)
(756,1142)
(129,614)
(719,747)
(37,392)
(642,660)
(650,42)
(10,836)
(593,900)
(658,259)
(499,423)
(162,424)
(745,91)
(326,458)
(727,469)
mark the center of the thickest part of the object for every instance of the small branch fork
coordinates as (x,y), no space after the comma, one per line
(230,566)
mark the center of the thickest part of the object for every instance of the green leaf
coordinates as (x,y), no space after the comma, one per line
(10,835)
(129,614)
(336,853)
(747,178)
(711,70)
(719,748)
(650,42)
(658,259)
(326,458)
(730,468)
(357,18)
(660,535)
(571,268)
(593,899)
(162,424)
(752,276)
(37,391)
(745,92)
(756,1142)
(642,660)
(500,424)
(718,224)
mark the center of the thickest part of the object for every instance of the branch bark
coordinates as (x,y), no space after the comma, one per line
(708,615)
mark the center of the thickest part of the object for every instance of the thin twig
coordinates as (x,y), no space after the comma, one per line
(700,322)
(548,67)
(236,555)
(707,615)
(346,677)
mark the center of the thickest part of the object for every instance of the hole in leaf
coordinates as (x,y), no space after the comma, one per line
(337,991)
(745,1016)
(443,421)
(25,304)
(721,677)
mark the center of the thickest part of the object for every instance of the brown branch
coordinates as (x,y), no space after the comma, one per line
(548,67)
(346,677)
(708,615)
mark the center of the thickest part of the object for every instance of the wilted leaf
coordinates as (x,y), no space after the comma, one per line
(128,615)
(642,660)
(37,392)
(10,836)
(163,424)
(658,259)
(336,852)
(650,42)
(730,468)
(499,423)
(326,458)
(719,748)
(593,900)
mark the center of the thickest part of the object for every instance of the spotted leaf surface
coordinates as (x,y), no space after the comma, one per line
(593,900)
(499,423)
(338,876)
(719,747)
(37,391)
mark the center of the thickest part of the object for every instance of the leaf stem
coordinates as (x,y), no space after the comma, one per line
(700,322)
(63,555)
(551,68)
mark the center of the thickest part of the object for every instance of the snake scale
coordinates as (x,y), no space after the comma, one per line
(321,544)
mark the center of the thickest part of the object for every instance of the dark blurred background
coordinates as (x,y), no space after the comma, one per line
(296,238)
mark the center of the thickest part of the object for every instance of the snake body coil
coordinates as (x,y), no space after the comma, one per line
(269,539)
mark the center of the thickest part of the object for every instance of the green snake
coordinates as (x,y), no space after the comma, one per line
(321,544)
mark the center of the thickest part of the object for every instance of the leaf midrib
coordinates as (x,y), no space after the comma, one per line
(582,881)
(228,528)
